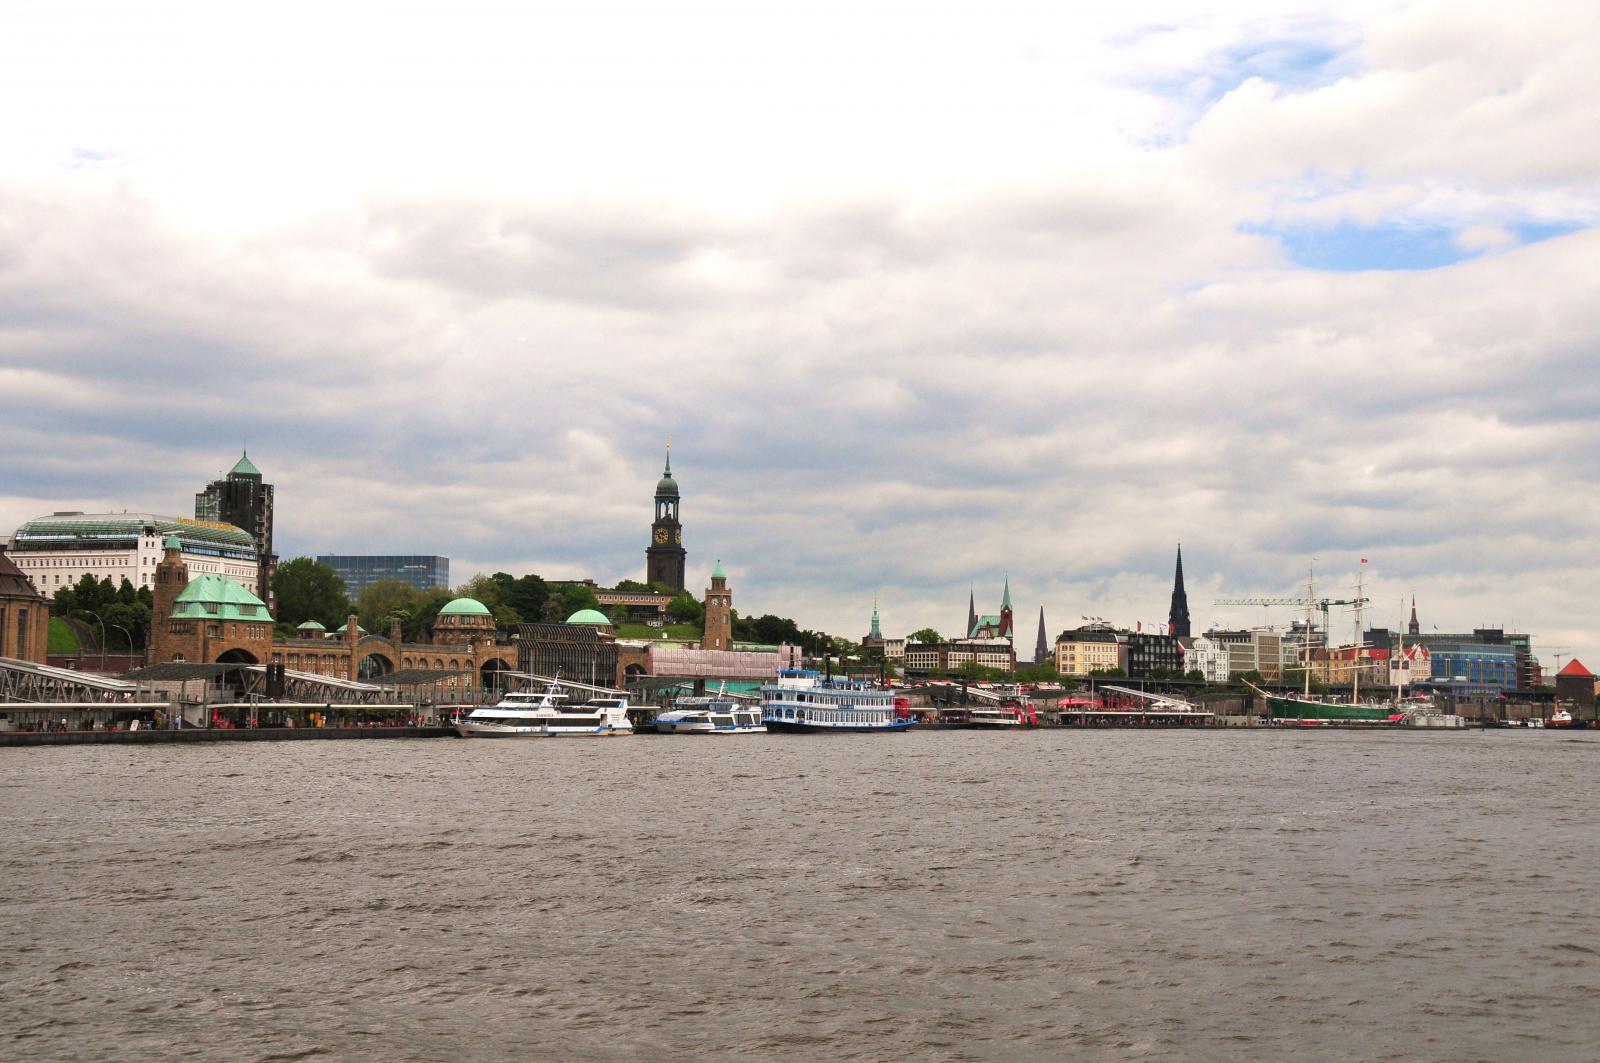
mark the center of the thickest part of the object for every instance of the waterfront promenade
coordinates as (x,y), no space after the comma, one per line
(190,735)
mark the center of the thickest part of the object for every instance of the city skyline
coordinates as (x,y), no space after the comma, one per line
(992,290)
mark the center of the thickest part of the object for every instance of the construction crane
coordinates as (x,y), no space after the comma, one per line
(1325,604)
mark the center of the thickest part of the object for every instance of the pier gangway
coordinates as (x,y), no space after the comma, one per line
(27,681)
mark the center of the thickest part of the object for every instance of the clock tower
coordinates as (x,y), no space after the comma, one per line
(665,555)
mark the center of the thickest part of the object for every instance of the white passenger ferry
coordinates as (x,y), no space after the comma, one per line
(547,714)
(996,716)
(803,700)
(710,715)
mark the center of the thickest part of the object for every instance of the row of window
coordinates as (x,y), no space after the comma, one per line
(828,715)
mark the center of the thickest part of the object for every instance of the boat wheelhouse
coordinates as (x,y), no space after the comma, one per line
(804,700)
(710,715)
(547,713)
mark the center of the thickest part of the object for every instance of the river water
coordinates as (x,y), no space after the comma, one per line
(958,895)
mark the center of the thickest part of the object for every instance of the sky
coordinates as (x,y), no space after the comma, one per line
(926,295)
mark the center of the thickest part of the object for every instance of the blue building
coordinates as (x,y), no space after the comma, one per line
(423,571)
(1488,661)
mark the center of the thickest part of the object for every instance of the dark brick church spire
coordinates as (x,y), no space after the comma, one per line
(1041,649)
(1178,618)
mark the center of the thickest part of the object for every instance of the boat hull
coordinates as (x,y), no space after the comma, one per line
(468,730)
(1296,709)
(797,727)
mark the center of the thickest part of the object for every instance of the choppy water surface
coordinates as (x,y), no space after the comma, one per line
(1117,895)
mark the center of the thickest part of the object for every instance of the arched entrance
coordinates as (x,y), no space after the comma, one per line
(490,679)
(374,665)
(236,679)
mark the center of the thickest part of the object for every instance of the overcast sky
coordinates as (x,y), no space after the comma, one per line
(923,293)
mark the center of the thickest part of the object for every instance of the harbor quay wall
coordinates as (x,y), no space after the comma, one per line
(220,734)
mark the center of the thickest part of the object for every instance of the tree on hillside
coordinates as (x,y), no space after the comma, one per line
(927,636)
(486,589)
(306,589)
(566,599)
(687,609)
(526,594)
(118,615)
(383,599)
(418,625)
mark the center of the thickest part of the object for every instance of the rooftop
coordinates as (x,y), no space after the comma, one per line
(114,530)
(213,596)
(465,607)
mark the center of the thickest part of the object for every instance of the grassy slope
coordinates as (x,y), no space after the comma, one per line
(62,638)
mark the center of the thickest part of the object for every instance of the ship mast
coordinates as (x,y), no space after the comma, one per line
(1355,649)
(1311,575)
(1397,663)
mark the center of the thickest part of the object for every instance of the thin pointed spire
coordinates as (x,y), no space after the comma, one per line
(972,609)
(669,456)
(1041,647)
(1178,615)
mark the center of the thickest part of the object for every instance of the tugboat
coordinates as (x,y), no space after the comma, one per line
(1562,718)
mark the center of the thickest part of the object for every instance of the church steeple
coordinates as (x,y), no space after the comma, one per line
(1413,628)
(664,558)
(1041,648)
(1178,617)
(972,611)
(877,632)
(1005,610)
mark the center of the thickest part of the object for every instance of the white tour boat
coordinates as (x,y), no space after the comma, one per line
(995,716)
(546,714)
(804,700)
(710,715)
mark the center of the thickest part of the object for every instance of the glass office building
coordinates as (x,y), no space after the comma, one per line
(360,571)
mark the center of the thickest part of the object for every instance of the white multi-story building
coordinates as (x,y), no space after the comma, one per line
(58,550)
(1210,658)
(1273,654)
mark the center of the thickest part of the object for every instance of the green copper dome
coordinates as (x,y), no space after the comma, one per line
(244,467)
(311,625)
(465,607)
(589,616)
(212,596)
(667,487)
(717,572)
(171,543)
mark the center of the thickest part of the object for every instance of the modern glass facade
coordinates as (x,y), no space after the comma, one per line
(423,571)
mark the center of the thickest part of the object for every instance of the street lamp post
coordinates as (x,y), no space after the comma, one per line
(102,624)
(129,635)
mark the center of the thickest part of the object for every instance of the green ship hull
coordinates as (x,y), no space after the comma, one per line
(1285,708)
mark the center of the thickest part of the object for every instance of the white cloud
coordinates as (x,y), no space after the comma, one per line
(923,296)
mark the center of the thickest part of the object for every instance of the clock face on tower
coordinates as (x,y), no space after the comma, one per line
(677,536)
(661,535)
